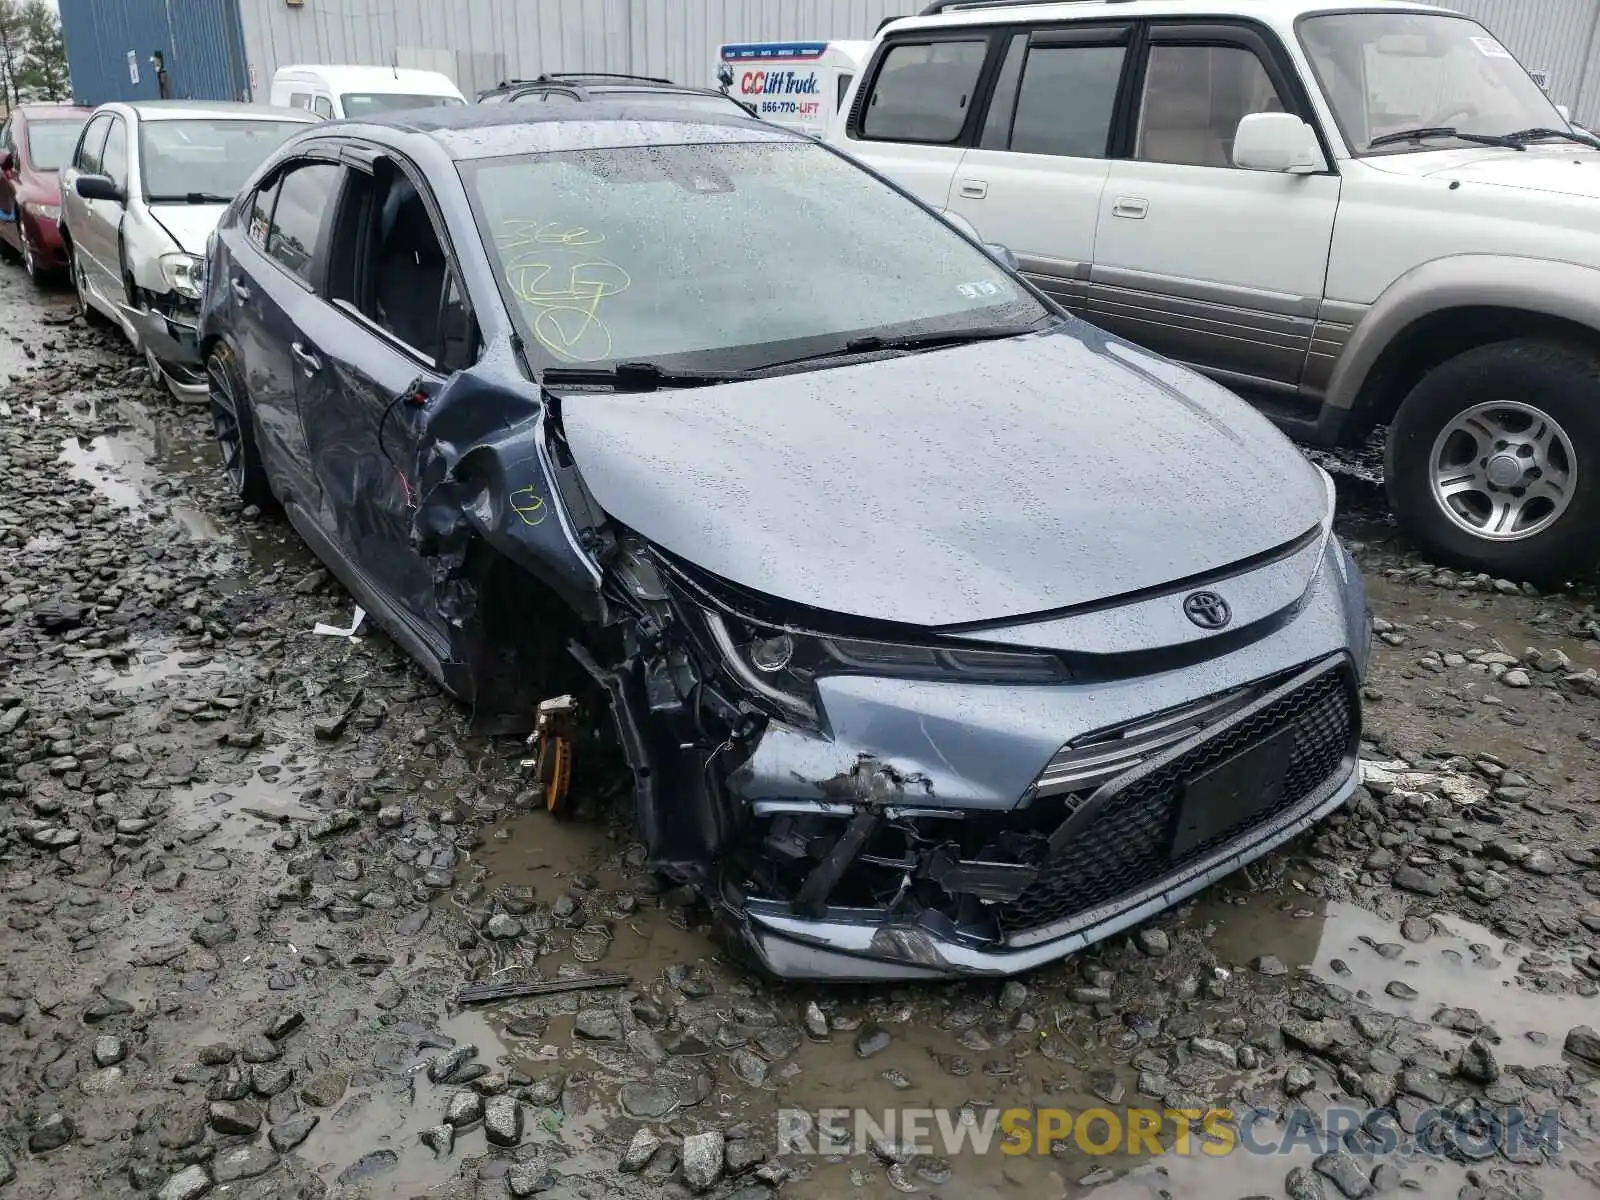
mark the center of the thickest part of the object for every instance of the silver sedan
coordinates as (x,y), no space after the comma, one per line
(145,187)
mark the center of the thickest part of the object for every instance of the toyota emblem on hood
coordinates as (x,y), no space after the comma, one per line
(1207,610)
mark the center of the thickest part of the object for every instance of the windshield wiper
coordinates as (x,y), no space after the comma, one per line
(190,198)
(1532,135)
(1443,131)
(636,377)
(918,341)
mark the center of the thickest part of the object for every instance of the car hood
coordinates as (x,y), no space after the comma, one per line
(189,224)
(987,481)
(1566,169)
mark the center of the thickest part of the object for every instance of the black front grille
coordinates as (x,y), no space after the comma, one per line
(1125,848)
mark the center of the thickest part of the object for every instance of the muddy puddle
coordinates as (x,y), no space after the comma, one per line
(1059,1062)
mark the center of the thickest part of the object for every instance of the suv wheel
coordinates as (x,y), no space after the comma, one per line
(235,430)
(1493,461)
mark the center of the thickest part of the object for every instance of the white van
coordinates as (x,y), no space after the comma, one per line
(799,85)
(349,91)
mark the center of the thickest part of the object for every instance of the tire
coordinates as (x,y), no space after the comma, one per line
(234,427)
(1493,461)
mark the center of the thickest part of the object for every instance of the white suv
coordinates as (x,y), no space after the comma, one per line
(1356,216)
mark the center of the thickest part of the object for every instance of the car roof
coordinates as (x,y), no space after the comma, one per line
(474,131)
(199,110)
(38,111)
(370,78)
(1280,12)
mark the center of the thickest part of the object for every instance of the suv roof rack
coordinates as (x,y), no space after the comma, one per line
(568,76)
(940,6)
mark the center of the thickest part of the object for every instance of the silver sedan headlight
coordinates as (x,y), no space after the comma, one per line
(183,273)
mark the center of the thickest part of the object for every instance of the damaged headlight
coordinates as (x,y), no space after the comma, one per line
(781,666)
(182,273)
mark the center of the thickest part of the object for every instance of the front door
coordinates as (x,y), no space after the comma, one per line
(10,217)
(390,283)
(85,220)
(1212,265)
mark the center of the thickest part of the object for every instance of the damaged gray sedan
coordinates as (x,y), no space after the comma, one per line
(942,633)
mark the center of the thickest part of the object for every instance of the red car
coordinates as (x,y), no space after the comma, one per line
(36,142)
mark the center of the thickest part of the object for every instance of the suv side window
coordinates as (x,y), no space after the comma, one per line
(1194,97)
(94,140)
(305,193)
(114,158)
(1054,99)
(923,90)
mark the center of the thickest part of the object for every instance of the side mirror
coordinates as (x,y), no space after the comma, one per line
(1565,113)
(1279,142)
(1003,255)
(97,187)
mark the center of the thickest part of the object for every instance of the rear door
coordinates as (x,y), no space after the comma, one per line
(917,109)
(1034,179)
(396,328)
(272,270)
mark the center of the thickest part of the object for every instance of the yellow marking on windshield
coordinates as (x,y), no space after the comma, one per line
(557,276)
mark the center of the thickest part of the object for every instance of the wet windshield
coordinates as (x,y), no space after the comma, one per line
(184,159)
(51,142)
(725,256)
(1385,73)
(360,104)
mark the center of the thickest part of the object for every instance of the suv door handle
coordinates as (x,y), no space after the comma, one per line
(308,361)
(974,189)
(1130,206)
(240,292)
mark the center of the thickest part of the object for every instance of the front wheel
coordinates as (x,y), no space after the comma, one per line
(1493,461)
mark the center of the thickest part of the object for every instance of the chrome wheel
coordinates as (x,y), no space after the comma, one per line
(225,421)
(1503,471)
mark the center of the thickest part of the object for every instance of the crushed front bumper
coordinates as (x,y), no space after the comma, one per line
(1113,866)
(1088,783)
(173,340)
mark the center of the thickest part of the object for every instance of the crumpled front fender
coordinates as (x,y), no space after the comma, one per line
(486,470)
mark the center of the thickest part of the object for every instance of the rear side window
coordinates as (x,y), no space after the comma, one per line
(304,198)
(322,106)
(844,89)
(299,99)
(1065,103)
(923,91)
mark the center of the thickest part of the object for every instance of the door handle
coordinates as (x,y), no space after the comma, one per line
(240,292)
(1134,207)
(309,362)
(974,189)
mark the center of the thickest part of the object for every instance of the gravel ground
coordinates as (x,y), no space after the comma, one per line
(245,870)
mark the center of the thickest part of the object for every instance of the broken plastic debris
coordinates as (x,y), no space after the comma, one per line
(335,631)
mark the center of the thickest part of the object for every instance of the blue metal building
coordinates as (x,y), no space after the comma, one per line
(112,45)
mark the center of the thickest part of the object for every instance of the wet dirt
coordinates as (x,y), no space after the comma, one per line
(213,895)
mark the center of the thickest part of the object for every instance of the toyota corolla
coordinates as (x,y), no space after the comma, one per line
(942,633)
